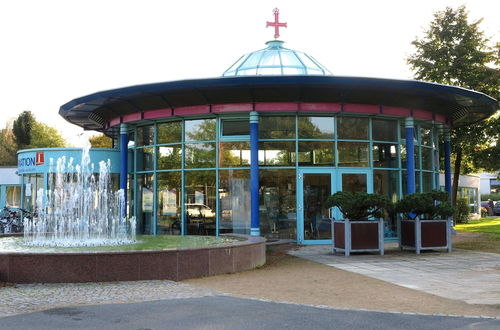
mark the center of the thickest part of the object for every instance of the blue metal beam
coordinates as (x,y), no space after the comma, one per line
(447,162)
(410,156)
(124,162)
(254,174)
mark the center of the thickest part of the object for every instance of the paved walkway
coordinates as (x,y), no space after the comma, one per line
(25,298)
(470,276)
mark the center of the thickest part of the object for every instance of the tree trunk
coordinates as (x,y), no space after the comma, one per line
(456,176)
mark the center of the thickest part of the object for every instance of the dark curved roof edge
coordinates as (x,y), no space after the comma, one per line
(461,105)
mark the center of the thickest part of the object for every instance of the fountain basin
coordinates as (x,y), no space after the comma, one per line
(176,264)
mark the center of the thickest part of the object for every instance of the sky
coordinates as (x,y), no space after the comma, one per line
(53,51)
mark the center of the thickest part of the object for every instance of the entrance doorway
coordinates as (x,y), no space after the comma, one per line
(313,188)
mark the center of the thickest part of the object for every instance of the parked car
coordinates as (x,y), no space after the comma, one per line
(199,211)
(496,208)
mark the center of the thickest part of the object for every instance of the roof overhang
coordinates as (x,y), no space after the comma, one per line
(461,106)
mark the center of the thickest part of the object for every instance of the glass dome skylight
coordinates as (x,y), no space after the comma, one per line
(276,60)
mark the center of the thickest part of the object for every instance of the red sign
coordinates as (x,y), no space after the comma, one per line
(39,158)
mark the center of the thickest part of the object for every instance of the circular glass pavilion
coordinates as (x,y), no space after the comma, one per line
(259,149)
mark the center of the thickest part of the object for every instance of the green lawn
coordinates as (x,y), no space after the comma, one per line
(488,239)
(483,225)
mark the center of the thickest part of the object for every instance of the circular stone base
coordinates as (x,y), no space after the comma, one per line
(173,264)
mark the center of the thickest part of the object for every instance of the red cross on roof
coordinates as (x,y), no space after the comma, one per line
(276,23)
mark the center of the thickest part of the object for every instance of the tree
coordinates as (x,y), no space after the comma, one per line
(454,51)
(101,141)
(22,129)
(44,136)
(8,146)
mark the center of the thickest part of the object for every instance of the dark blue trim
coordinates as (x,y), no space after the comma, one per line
(254,179)
(463,105)
(410,160)
(447,167)
(124,166)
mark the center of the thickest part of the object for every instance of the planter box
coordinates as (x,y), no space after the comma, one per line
(425,235)
(357,236)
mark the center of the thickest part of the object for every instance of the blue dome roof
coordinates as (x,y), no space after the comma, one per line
(276,60)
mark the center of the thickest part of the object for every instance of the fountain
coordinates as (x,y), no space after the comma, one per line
(79,209)
(81,234)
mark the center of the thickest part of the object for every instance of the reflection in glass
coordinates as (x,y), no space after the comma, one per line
(13,196)
(277,153)
(426,136)
(354,182)
(170,132)
(384,130)
(316,127)
(199,207)
(235,127)
(282,127)
(427,181)
(200,130)
(145,135)
(168,210)
(317,188)
(234,201)
(145,159)
(427,159)
(169,157)
(387,183)
(145,196)
(353,154)
(352,128)
(234,154)
(417,158)
(385,155)
(199,155)
(277,198)
(317,153)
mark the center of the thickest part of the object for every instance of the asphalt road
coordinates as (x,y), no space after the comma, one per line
(222,312)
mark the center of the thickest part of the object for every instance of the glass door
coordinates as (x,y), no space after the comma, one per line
(313,187)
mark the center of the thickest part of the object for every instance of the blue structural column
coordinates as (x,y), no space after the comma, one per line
(254,174)
(447,162)
(410,155)
(124,162)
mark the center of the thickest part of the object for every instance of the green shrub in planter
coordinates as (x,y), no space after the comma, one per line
(428,205)
(359,205)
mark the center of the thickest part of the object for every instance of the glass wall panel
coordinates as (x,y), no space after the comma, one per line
(316,127)
(169,157)
(234,201)
(32,182)
(352,128)
(233,154)
(199,203)
(169,191)
(385,155)
(170,132)
(145,159)
(130,195)
(199,155)
(354,182)
(353,154)
(426,136)
(13,196)
(427,181)
(131,140)
(316,153)
(145,203)
(417,157)
(145,135)
(200,130)
(384,130)
(427,159)
(386,183)
(235,127)
(277,204)
(282,127)
(277,153)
